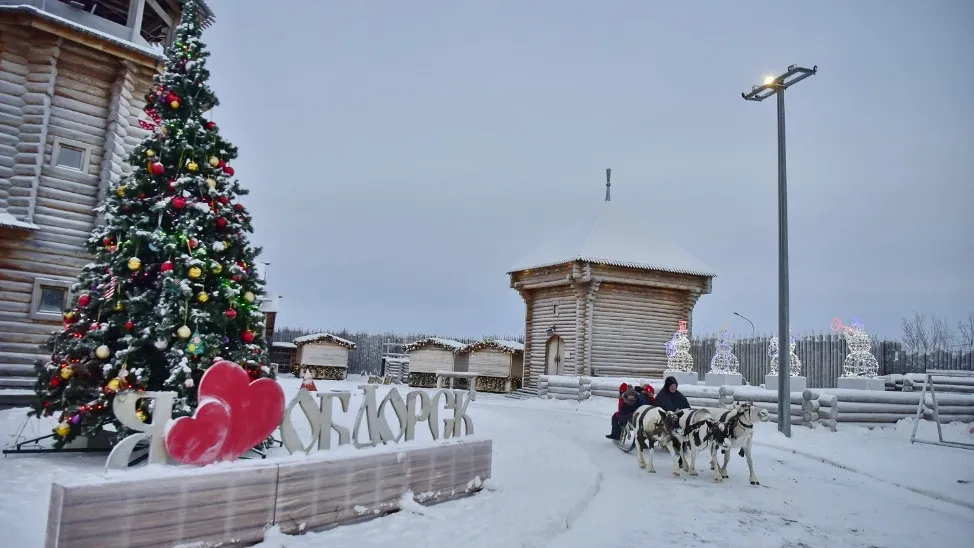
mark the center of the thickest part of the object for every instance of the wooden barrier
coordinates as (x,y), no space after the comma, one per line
(235,506)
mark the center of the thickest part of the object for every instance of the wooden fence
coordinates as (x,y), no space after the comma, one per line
(822,357)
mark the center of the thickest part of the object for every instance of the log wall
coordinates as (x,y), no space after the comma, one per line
(53,89)
(491,362)
(429,360)
(322,354)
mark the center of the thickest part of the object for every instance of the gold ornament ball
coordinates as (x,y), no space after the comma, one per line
(142,416)
(63,429)
(135,263)
(184,332)
(67,373)
(119,306)
(150,153)
(216,268)
(174,104)
(211,183)
(214,161)
(249,297)
(114,385)
(102,352)
(120,191)
(202,297)
(192,166)
(195,272)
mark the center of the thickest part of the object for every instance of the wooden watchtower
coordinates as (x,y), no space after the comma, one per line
(73,75)
(605,300)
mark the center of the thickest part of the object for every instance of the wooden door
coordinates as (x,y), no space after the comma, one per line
(553,365)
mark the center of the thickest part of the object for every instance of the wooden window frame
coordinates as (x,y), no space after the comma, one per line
(35,298)
(60,142)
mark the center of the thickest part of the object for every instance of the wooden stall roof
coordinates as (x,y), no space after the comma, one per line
(324,337)
(620,236)
(511,347)
(283,344)
(435,342)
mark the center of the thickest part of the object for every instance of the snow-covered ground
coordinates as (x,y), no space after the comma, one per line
(558,482)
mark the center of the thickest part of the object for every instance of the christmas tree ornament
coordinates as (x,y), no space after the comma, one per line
(166,266)
(129,325)
(150,153)
(211,125)
(184,332)
(160,344)
(248,296)
(214,161)
(221,222)
(202,297)
(196,346)
(134,263)
(67,373)
(63,429)
(120,192)
(228,170)
(157,168)
(192,166)
(69,316)
(102,352)
(114,385)
(171,185)
(216,267)
(194,272)
(84,299)
(219,246)
(230,313)
(179,202)
(143,416)
(174,105)
(247,336)
(210,183)
(119,306)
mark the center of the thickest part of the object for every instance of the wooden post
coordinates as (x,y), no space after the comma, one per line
(135,15)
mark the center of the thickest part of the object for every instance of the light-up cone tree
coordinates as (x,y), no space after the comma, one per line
(172,285)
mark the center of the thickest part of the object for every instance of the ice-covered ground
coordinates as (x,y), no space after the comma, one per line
(558,482)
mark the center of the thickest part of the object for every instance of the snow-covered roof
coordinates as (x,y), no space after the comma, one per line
(9,221)
(620,236)
(283,344)
(511,347)
(445,344)
(324,337)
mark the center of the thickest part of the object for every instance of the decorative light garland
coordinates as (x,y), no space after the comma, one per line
(860,363)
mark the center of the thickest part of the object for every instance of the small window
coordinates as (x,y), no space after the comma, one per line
(70,155)
(555,309)
(52,300)
(49,298)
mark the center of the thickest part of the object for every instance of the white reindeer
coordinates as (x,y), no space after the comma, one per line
(655,425)
(739,424)
(700,431)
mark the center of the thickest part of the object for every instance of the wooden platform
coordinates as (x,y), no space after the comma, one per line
(234,507)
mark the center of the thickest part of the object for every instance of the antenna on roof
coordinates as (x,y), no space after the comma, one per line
(608,176)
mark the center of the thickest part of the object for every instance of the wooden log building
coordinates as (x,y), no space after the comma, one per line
(324,355)
(427,356)
(500,364)
(605,301)
(73,75)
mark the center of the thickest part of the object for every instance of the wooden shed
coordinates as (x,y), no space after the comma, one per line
(427,356)
(324,355)
(282,355)
(604,299)
(500,364)
(73,75)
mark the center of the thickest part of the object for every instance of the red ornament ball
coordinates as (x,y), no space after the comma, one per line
(84,300)
(166,267)
(228,170)
(108,241)
(157,168)
(221,222)
(192,243)
(247,336)
(172,184)
(129,325)
(224,200)
(231,313)
(211,125)
(179,202)
(238,207)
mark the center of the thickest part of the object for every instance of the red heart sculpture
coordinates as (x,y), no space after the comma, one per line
(256,408)
(199,439)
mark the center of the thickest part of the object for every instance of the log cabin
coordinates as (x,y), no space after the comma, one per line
(324,355)
(73,76)
(427,356)
(499,364)
(604,300)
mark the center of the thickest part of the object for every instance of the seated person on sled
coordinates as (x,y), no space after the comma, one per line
(630,399)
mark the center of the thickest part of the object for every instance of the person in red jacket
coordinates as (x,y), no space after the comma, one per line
(628,404)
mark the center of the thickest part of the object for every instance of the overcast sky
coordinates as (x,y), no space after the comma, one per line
(403,155)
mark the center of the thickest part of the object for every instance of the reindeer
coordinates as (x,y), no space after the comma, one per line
(738,424)
(654,425)
(699,431)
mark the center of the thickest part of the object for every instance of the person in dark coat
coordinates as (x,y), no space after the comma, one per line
(630,402)
(670,398)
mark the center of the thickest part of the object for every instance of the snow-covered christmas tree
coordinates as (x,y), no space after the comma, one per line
(794,364)
(172,285)
(724,360)
(678,351)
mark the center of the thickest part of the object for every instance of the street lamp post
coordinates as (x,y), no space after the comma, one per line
(746,320)
(776,85)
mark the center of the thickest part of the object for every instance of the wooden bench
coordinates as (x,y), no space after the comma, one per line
(441,376)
